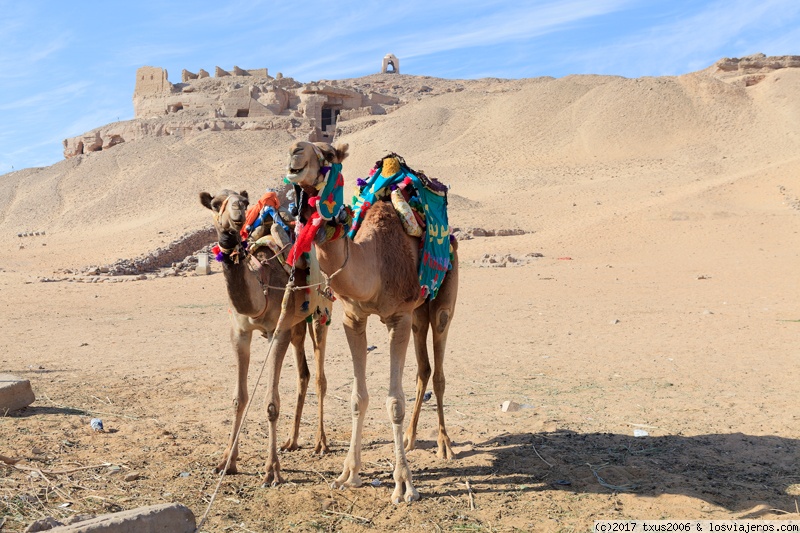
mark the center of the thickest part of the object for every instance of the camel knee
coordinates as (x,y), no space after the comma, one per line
(239,401)
(273,410)
(397,409)
(424,371)
(303,374)
(358,405)
(442,320)
(322,386)
(439,381)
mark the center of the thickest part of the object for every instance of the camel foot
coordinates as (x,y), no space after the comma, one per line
(348,479)
(445,449)
(231,468)
(321,448)
(409,495)
(290,446)
(272,478)
(409,441)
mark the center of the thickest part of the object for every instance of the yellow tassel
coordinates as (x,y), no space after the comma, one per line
(391,166)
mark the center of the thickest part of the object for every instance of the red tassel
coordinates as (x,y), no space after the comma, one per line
(304,240)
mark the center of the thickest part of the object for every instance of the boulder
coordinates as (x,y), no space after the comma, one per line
(15,393)
(166,517)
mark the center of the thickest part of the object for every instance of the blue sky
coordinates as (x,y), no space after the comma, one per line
(68,68)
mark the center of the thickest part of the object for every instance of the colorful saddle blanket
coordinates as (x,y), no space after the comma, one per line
(390,173)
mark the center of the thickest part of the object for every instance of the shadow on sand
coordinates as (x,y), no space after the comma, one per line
(733,471)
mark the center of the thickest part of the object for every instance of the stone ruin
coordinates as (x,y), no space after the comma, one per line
(238,99)
(390,60)
(750,70)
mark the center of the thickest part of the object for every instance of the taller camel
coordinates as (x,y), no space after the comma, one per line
(256,290)
(377,273)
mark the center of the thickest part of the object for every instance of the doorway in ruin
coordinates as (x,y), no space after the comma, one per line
(329,118)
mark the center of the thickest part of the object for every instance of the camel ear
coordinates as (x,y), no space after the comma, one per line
(327,151)
(333,154)
(341,152)
(244,193)
(205,199)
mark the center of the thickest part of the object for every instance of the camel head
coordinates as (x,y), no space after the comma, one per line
(307,159)
(230,211)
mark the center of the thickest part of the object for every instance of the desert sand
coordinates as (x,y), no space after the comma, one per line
(654,289)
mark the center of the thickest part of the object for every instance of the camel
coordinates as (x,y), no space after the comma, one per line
(376,273)
(256,294)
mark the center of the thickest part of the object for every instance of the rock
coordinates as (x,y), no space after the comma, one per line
(15,393)
(509,232)
(172,517)
(43,524)
(509,406)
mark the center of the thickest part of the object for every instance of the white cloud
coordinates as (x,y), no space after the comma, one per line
(692,42)
(525,22)
(48,99)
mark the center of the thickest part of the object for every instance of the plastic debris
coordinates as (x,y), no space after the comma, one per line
(375,482)
(96,424)
(426,396)
(640,433)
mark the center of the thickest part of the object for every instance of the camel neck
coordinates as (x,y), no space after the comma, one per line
(332,255)
(244,292)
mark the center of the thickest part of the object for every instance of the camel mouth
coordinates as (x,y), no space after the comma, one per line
(293,173)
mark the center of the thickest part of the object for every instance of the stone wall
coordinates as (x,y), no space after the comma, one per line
(151,80)
(752,69)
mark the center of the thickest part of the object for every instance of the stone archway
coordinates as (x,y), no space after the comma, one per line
(390,59)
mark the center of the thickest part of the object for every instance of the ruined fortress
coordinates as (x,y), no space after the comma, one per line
(242,99)
(238,99)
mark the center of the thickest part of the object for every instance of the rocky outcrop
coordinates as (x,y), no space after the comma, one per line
(242,99)
(751,69)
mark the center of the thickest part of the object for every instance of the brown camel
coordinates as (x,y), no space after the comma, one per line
(255,290)
(376,273)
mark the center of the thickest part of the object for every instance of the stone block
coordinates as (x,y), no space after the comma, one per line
(15,393)
(203,267)
(510,406)
(166,518)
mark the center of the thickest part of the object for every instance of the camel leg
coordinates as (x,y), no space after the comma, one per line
(399,327)
(303,376)
(441,312)
(420,330)
(274,364)
(355,329)
(319,333)
(241,346)
(440,329)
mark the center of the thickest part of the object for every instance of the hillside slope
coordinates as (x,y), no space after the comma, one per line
(533,154)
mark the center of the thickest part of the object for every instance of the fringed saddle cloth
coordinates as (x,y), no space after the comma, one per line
(421,203)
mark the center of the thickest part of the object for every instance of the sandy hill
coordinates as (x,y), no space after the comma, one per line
(537,154)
